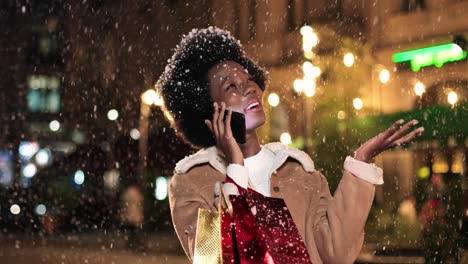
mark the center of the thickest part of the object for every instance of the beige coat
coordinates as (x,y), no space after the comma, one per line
(332,227)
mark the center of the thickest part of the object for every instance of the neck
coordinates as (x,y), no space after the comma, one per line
(251,146)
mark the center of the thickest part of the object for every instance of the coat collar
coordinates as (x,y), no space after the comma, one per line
(216,158)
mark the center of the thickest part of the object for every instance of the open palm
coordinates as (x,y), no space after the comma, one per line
(392,137)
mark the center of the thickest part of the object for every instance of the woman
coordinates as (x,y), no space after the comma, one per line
(209,71)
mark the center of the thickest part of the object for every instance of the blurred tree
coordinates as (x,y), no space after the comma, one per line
(333,106)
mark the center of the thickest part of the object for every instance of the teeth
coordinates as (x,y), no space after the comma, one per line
(253,105)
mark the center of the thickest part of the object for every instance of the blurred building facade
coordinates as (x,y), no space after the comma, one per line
(414,25)
(104,54)
(271,34)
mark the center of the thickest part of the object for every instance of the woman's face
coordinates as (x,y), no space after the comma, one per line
(229,82)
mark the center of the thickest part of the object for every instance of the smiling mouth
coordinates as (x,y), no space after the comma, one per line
(254,107)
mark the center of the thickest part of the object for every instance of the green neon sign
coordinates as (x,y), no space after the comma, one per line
(435,55)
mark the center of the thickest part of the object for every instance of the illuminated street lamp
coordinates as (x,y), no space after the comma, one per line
(307,84)
(148,98)
(151,97)
(309,40)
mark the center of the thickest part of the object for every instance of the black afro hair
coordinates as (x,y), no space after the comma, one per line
(184,83)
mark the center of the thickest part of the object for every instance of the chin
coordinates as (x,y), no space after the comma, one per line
(254,122)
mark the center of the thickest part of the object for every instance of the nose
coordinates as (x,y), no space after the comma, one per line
(249,88)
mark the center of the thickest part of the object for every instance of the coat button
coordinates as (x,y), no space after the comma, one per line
(276,189)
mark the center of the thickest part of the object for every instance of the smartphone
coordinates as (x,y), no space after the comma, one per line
(237,125)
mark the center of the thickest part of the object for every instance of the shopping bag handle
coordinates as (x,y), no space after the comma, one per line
(222,194)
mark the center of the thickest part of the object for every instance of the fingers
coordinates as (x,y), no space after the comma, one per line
(401,131)
(408,138)
(223,134)
(228,123)
(221,128)
(389,132)
(217,126)
(215,120)
(209,125)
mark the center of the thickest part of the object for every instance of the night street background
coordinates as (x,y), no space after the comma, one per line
(87,152)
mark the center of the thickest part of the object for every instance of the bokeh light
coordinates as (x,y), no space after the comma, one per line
(135,134)
(357,103)
(43,157)
(161,190)
(348,59)
(15,209)
(298,85)
(29,170)
(384,76)
(285,138)
(452,98)
(112,114)
(79,177)
(40,209)
(419,88)
(54,125)
(273,99)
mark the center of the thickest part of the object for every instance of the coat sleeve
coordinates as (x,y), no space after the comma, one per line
(184,199)
(339,220)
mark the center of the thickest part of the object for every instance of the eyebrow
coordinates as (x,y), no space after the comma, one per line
(227,77)
(223,79)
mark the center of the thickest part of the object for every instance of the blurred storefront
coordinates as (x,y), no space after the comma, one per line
(423,43)
(365,83)
(434,92)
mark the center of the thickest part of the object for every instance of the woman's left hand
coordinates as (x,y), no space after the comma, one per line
(392,137)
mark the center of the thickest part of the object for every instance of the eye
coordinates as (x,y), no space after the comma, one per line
(231,85)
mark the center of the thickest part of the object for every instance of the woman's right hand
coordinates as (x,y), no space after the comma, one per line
(223,134)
